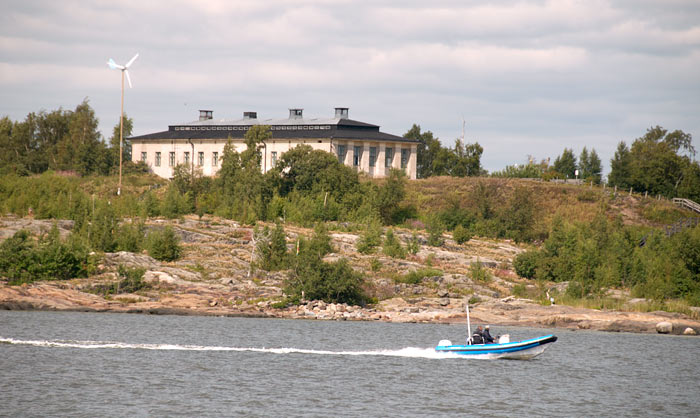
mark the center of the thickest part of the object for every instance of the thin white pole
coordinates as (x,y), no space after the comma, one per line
(469,326)
(121,137)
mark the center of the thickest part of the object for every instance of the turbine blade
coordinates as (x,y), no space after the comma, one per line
(131,61)
(112,64)
(127,77)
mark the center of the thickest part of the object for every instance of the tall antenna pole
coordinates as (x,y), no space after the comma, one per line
(121,137)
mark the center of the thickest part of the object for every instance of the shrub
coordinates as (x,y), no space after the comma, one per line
(413,245)
(461,234)
(23,260)
(334,282)
(163,244)
(370,239)
(435,229)
(375,265)
(519,290)
(271,249)
(416,276)
(478,272)
(130,237)
(130,281)
(392,246)
(525,264)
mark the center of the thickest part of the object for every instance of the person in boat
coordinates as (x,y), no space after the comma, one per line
(486,334)
(478,336)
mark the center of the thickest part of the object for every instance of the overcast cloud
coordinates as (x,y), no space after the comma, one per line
(529,77)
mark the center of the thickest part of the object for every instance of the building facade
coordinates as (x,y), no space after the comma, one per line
(201,143)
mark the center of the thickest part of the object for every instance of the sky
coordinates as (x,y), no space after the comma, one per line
(528,77)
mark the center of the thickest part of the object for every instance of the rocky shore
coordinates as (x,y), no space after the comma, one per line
(213,279)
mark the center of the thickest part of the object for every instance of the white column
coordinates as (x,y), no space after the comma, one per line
(348,153)
(364,163)
(413,163)
(380,169)
(396,163)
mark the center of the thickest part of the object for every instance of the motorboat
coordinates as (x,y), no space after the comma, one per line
(520,350)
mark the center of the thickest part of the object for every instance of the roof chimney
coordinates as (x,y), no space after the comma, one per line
(250,115)
(341,112)
(206,115)
(295,113)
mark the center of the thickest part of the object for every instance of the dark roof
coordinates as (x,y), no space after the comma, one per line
(281,129)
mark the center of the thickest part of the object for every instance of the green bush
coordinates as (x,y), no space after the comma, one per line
(478,272)
(23,259)
(435,230)
(271,249)
(163,244)
(417,276)
(130,281)
(375,265)
(413,245)
(392,246)
(461,234)
(370,239)
(525,264)
(130,236)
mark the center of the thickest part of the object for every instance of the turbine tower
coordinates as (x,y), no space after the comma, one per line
(125,70)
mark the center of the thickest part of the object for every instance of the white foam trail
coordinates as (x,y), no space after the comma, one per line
(412,352)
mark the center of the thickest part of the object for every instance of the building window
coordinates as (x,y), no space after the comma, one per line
(187,157)
(274,158)
(388,157)
(342,151)
(200,159)
(356,156)
(372,156)
(144,156)
(172,159)
(157,159)
(215,159)
(405,153)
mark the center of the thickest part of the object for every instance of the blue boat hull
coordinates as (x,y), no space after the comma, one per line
(521,350)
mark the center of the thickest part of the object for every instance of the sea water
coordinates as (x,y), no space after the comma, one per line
(90,364)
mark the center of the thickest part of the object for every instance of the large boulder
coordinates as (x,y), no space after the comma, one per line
(689,331)
(664,327)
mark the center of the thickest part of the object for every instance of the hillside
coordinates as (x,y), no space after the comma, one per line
(212,277)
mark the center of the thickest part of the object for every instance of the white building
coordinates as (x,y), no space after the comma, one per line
(201,143)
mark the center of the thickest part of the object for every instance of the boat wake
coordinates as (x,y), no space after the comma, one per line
(411,352)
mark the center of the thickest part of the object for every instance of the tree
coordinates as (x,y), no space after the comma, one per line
(126,145)
(594,167)
(565,164)
(620,174)
(655,165)
(427,150)
(241,178)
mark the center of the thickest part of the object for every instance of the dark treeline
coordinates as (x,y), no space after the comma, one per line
(660,162)
(435,160)
(603,254)
(60,140)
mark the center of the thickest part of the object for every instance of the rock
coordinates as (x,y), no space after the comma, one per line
(664,327)
(444,301)
(442,293)
(213,303)
(128,259)
(689,331)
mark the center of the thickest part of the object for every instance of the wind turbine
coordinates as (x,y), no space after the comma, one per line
(125,70)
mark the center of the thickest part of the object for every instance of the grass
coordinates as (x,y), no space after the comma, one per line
(573,202)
